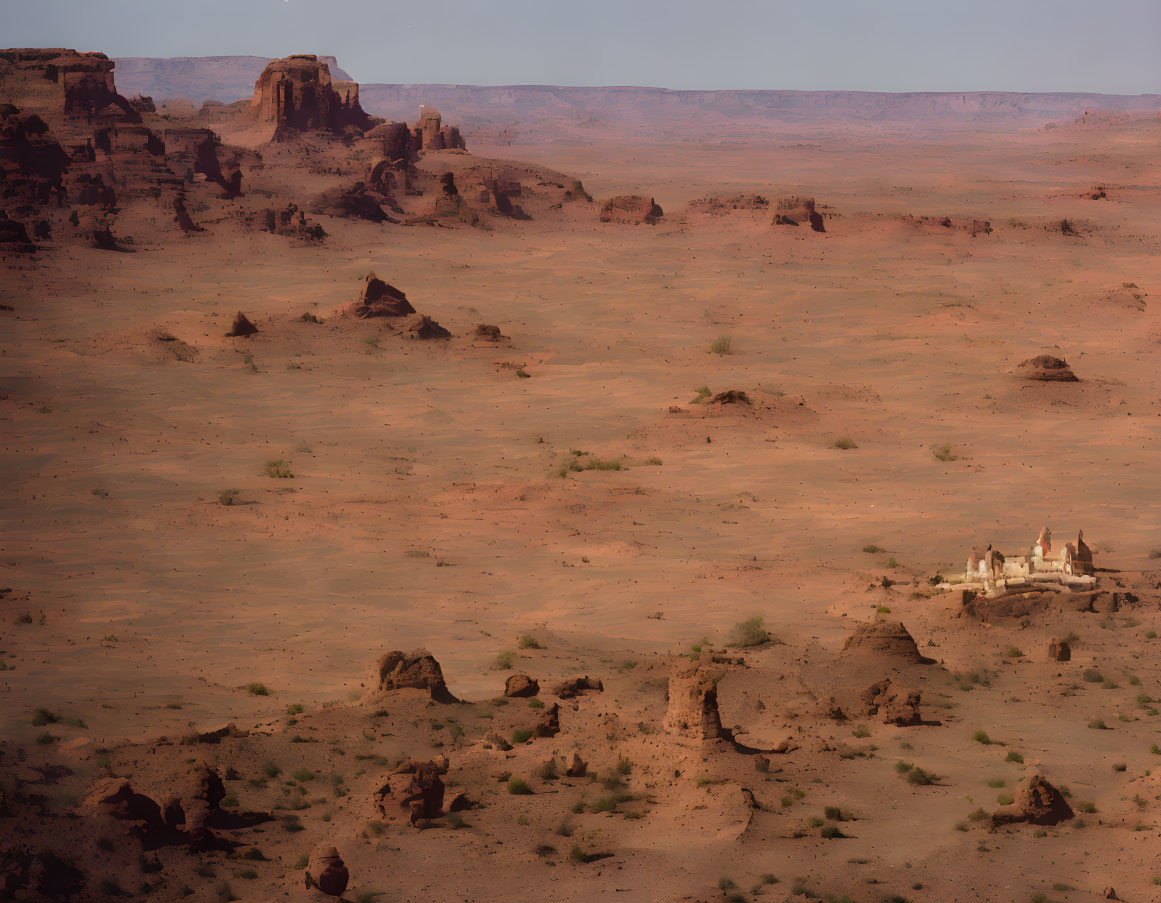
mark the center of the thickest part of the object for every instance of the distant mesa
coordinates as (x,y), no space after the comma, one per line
(633,209)
(1046,368)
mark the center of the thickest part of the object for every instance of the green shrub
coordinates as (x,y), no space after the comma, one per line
(503,660)
(302,775)
(1093,676)
(520,735)
(722,345)
(257,689)
(227,497)
(518,787)
(845,443)
(749,632)
(982,737)
(278,469)
(1014,756)
(943,453)
(872,549)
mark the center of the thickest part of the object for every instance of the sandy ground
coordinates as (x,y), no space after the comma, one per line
(427,505)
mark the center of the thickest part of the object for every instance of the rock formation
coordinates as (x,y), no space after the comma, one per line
(56,81)
(1046,368)
(379,299)
(488,332)
(891,704)
(521,686)
(419,671)
(693,702)
(1037,803)
(421,326)
(296,94)
(418,789)
(882,640)
(632,209)
(577,685)
(326,871)
(1059,651)
(795,211)
(242,327)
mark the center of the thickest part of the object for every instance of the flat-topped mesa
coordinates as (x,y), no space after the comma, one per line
(296,94)
(56,81)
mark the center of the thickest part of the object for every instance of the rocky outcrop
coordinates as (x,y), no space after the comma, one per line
(296,94)
(1059,651)
(576,685)
(194,151)
(521,686)
(1046,368)
(292,223)
(242,327)
(886,641)
(891,704)
(326,871)
(417,789)
(632,209)
(380,299)
(797,211)
(421,326)
(417,671)
(1037,803)
(693,702)
(57,81)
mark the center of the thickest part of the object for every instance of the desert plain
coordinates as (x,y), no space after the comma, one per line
(705,456)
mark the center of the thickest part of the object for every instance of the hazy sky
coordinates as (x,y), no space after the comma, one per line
(1111,46)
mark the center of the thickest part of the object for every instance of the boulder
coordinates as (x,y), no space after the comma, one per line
(632,209)
(576,685)
(1046,368)
(421,326)
(521,686)
(731,396)
(549,723)
(1059,651)
(489,333)
(891,704)
(1037,803)
(419,671)
(326,872)
(379,299)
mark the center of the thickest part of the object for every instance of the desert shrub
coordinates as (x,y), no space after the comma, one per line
(595,463)
(302,775)
(503,661)
(271,770)
(845,443)
(546,771)
(278,469)
(722,345)
(831,832)
(527,641)
(861,731)
(982,737)
(1013,652)
(1093,676)
(227,497)
(518,787)
(1014,756)
(749,632)
(872,549)
(943,452)
(257,689)
(520,735)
